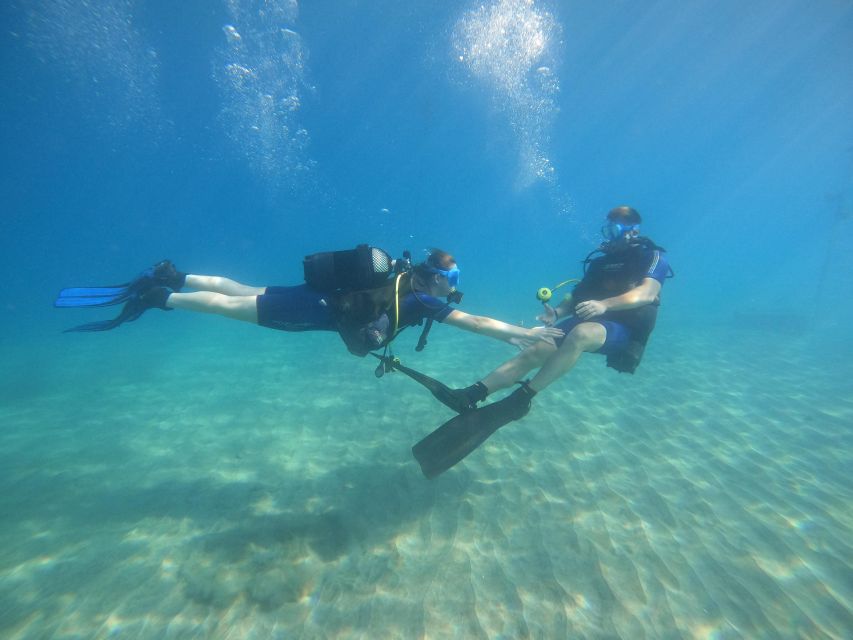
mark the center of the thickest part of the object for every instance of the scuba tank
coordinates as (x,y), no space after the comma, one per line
(361,292)
(364,267)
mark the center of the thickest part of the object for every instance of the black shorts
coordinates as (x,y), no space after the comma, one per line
(298,308)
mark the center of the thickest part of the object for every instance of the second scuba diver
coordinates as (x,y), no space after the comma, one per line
(362,294)
(612,311)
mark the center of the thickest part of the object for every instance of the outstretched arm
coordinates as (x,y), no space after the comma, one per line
(497,329)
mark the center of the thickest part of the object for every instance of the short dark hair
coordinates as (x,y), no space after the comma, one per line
(625,215)
(438,259)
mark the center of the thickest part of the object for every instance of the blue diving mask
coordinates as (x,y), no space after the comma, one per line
(614,231)
(452,275)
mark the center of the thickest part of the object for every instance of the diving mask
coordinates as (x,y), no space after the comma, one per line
(452,275)
(614,231)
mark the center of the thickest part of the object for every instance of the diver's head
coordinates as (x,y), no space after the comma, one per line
(438,275)
(621,226)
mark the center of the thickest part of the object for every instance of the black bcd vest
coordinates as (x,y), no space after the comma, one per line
(613,274)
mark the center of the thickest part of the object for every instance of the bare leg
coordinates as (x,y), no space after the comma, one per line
(587,336)
(515,369)
(218,284)
(237,307)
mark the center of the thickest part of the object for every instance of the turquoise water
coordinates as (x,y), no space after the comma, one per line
(186,476)
(205,488)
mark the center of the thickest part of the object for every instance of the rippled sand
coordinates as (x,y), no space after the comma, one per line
(261,485)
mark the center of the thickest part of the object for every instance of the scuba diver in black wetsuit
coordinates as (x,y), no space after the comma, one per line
(611,311)
(363,294)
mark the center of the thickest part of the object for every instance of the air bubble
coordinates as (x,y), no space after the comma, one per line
(262,87)
(508,46)
(97,43)
(231,33)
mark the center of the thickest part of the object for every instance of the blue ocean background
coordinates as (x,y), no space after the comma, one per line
(235,137)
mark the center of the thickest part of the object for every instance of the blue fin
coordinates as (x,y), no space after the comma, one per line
(92,296)
(83,292)
(136,295)
(136,305)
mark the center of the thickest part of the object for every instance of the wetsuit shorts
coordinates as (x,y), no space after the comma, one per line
(617,338)
(298,308)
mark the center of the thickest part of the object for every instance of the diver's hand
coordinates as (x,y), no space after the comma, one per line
(534,335)
(546,334)
(549,316)
(590,309)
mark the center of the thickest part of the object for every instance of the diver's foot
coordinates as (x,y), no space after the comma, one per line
(477,392)
(456,399)
(162,274)
(517,404)
(462,400)
(165,273)
(153,298)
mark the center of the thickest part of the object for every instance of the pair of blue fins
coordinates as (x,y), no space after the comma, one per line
(148,290)
(436,453)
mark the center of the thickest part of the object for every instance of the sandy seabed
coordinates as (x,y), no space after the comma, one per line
(260,485)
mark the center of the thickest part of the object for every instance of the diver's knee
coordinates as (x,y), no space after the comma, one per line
(586,335)
(538,353)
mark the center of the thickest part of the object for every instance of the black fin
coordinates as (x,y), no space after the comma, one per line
(456,438)
(452,398)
